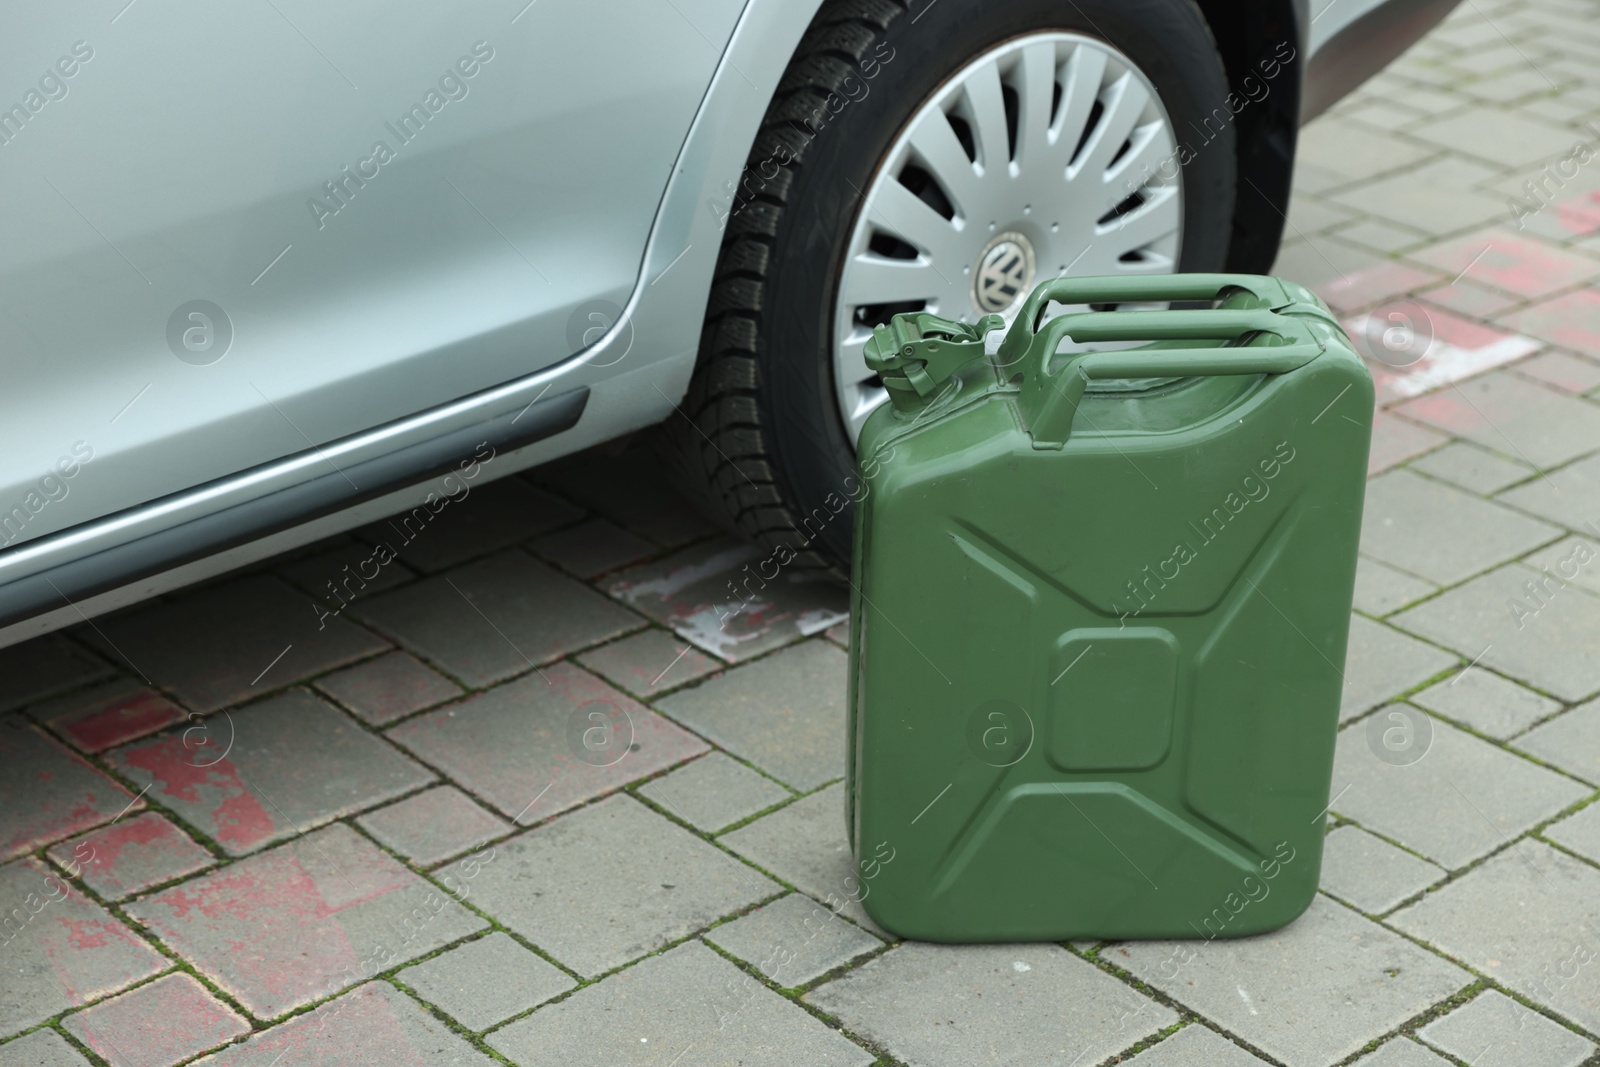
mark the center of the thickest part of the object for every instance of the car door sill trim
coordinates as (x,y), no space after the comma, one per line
(282,509)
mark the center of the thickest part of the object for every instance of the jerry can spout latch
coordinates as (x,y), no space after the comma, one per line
(914,354)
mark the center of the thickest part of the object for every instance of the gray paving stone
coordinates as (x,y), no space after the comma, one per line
(1380,663)
(713,791)
(1368,872)
(684,1008)
(1492,1030)
(632,490)
(487,518)
(1528,919)
(1310,215)
(1461,800)
(1355,152)
(1486,702)
(1437,196)
(1567,496)
(62,950)
(1510,414)
(42,1048)
(547,742)
(1579,831)
(952,1006)
(433,825)
(1195,1046)
(593,548)
(43,667)
(389,687)
(1472,468)
(495,618)
(375,1024)
(47,792)
(1310,994)
(805,845)
(487,981)
(1442,533)
(649,663)
(1552,650)
(793,940)
(1570,741)
(1403,1052)
(784,713)
(610,883)
(1574,561)
(1321,260)
(227,643)
(1563,370)
(1382,236)
(269,771)
(1381,589)
(298,922)
(1497,136)
(839,634)
(731,598)
(345,571)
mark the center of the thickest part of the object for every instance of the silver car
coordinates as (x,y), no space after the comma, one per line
(271,269)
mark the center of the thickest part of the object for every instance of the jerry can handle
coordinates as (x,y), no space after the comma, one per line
(1048,400)
(1145,288)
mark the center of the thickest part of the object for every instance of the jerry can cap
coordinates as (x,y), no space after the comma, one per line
(915,353)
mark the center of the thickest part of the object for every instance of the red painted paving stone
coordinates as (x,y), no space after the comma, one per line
(130,856)
(269,771)
(1569,373)
(1566,219)
(733,599)
(547,742)
(481,520)
(433,825)
(1459,348)
(157,1025)
(593,548)
(1395,440)
(375,1024)
(48,793)
(1506,260)
(107,715)
(1374,285)
(230,642)
(390,687)
(497,617)
(303,920)
(650,663)
(1571,321)
(60,950)
(43,667)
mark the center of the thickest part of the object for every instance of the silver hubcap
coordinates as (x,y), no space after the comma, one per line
(1048,155)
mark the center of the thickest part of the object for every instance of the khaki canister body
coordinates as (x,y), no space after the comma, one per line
(1101,603)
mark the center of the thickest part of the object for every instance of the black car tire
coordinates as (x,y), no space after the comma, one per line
(759,440)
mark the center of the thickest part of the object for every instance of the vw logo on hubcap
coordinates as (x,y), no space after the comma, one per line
(1004,275)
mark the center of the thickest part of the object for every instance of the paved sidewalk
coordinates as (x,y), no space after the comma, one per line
(535,792)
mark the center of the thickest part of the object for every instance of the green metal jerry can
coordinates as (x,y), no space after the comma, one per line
(1100,609)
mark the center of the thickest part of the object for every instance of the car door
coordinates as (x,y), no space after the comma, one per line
(235,231)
